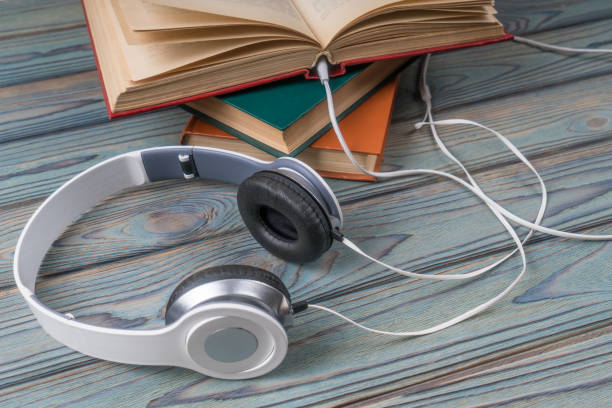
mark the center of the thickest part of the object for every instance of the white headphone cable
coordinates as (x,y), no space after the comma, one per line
(399,173)
(449,322)
(494,206)
(476,191)
(557,48)
(454,320)
(487,199)
(426,97)
(533,226)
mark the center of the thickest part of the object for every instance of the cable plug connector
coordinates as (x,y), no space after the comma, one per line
(298,307)
(323,69)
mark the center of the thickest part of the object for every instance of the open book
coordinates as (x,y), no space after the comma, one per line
(156,52)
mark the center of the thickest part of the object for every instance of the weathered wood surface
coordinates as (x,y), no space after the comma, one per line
(548,344)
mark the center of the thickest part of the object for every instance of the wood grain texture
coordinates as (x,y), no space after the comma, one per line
(48,106)
(42,39)
(546,345)
(335,362)
(528,16)
(487,73)
(579,120)
(128,295)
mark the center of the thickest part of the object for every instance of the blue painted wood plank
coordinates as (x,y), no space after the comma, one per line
(45,107)
(332,363)
(549,344)
(497,70)
(552,375)
(42,39)
(526,16)
(30,17)
(76,149)
(113,280)
(29,58)
(587,115)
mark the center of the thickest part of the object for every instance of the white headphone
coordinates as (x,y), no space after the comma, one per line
(227,321)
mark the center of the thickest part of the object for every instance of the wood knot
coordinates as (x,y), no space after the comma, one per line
(597,122)
(587,123)
(169,222)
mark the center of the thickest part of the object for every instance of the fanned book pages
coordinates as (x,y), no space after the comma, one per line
(153,53)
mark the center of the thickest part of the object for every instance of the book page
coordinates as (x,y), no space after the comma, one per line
(146,61)
(420,21)
(193,34)
(141,15)
(328,17)
(276,12)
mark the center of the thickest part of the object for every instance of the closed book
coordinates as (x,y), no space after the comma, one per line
(155,53)
(365,131)
(285,117)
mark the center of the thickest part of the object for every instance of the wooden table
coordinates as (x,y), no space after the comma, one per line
(547,344)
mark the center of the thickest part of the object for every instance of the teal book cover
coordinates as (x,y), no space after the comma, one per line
(278,104)
(265,147)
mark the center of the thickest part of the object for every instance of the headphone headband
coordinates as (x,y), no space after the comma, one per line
(180,162)
(83,191)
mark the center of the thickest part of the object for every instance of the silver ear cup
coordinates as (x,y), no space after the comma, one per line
(240,329)
(235,340)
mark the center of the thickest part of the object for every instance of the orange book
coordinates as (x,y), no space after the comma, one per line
(365,131)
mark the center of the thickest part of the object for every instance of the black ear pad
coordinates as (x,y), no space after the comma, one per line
(284,217)
(227,272)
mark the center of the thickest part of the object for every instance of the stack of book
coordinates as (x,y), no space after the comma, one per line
(290,118)
(253,61)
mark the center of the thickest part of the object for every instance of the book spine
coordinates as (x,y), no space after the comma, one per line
(244,137)
(189,125)
(346,112)
(346,176)
(384,141)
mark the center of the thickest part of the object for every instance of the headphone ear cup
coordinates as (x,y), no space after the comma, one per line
(220,273)
(284,217)
(233,319)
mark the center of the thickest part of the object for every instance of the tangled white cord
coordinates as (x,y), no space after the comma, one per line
(500,213)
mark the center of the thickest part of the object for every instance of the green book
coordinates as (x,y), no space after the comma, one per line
(285,117)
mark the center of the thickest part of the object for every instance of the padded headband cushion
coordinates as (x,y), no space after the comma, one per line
(284,217)
(227,272)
